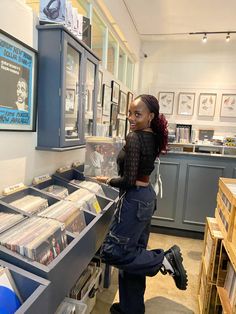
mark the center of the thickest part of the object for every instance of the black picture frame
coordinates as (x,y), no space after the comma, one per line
(18,75)
(100,85)
(113,119)
(106,100)
(115,87)
(122,103)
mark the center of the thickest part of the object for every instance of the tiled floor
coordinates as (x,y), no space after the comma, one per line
(161,294)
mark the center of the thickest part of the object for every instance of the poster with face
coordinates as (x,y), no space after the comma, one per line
(17,80)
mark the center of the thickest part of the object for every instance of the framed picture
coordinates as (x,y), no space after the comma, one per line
(228,105)
(100,79)
(121,125)
(70,101)
(166,102)
(17,89)
(122,103)
(114,114)
(207,103)
(115,92)
(106,100)
(130,97)
(186,103)
(127,127)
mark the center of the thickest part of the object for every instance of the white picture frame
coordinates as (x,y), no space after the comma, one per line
(166,102)
(186,104)
(207,103)
(228,105)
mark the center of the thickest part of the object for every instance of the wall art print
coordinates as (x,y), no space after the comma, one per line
(207,103)
(186,104)
(228,105)
(166,102)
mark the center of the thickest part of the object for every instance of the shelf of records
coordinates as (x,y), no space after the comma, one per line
(217,285)
(21,291)
(54,228)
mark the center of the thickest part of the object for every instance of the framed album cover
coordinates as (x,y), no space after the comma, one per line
(228,105)
(122,103)
(115,92)
(106,100)
(207,103)
(166,102)
(186,104)
(18,81)
(121,126)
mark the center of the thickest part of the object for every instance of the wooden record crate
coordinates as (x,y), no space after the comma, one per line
(211,251)
(226,281)
(226,209)
(206,293)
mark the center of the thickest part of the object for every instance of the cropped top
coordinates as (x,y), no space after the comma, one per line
(136,159)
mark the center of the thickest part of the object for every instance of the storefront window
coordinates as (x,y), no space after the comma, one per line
(111,53)
(121,65)
(98,36)
(129,74)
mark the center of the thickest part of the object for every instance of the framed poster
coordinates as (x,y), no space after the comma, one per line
(122,103)
(114,114)
(207,103)
(228,105)
(17,84)
(130,97)
(166,102)
(106,100)
(100,79)
(115,92)
(186,103)
(121,126)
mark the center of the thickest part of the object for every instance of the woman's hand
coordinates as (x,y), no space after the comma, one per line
(102,179)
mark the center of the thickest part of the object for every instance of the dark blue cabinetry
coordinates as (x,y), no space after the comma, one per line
(67,89)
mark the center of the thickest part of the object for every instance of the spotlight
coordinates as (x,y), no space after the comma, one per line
(204,38)
(227,38)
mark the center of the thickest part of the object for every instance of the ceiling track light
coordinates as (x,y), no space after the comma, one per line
(204,38)
(227,38)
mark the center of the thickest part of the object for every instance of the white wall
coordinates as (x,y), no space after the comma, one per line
(188,65)
(19,161)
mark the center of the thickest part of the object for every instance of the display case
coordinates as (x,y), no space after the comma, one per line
(67,89)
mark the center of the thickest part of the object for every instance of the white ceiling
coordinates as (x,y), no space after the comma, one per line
(158,17)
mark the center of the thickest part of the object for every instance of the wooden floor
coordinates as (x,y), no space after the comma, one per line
(161,294)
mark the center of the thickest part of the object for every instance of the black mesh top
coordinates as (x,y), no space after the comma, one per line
(136,159)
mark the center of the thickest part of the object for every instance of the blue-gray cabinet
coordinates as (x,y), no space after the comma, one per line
(190,185)
(67,89)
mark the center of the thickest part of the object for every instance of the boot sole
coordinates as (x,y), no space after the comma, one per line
(183,282)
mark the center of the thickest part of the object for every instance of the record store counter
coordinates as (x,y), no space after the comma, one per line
(66,268)
(190,185)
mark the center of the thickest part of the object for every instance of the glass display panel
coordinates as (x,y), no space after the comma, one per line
(72,94)
(111,53)
(89,95)
(98,37)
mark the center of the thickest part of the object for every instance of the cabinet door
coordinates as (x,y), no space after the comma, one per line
(71,109)
(90,94)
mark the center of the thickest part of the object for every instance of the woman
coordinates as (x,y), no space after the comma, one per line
(125,245)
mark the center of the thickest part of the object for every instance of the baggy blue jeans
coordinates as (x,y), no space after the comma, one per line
(125,247)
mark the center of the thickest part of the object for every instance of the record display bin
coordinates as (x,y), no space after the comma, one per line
(6,200)
(10,210)
(55,181)
(32,289)
(74,174)
(70,263)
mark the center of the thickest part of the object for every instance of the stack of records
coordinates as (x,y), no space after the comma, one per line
(90,198)
(8,220)
(69,213)
(81,286)
(57,190)
(37,238)
(92,186)
(31,204)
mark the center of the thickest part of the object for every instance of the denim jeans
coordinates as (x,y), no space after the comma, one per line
(125,247)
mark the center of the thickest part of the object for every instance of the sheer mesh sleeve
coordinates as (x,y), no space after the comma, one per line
(131,163)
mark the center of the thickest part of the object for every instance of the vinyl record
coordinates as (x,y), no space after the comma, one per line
(9,302)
